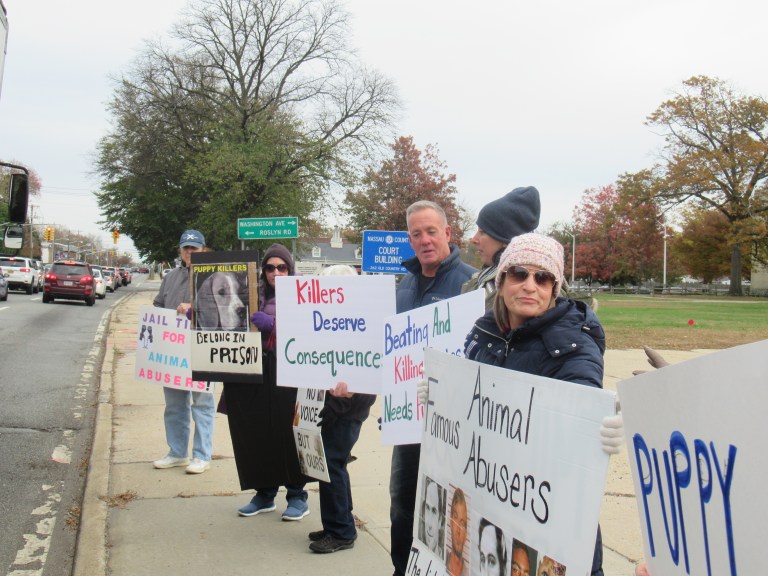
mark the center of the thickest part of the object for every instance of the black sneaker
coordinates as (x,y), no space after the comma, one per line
(317,535)
(328,544)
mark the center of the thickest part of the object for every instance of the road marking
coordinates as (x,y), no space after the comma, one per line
(37,545)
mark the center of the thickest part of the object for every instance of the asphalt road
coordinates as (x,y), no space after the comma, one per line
(50,356)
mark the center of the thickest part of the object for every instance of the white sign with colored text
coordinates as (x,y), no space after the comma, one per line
(329,330)
(163,350)
(695,433)
(444,326)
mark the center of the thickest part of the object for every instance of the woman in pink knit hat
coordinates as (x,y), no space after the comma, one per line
(532,328)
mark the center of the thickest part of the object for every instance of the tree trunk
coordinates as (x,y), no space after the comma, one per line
(735,288)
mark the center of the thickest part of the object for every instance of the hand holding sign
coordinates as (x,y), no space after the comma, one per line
(262,321)
(341,390)
(612,434)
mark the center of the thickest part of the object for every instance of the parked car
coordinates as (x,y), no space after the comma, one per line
(3,287)
(70,280)
(101,284)
(22,274)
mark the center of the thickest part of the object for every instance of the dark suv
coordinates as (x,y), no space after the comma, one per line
(70,280)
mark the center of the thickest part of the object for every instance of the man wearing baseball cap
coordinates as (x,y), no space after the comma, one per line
(183,405)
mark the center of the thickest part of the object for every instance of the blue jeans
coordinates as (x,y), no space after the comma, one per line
(336,496)
(403,478)
(179,406)
(294,491)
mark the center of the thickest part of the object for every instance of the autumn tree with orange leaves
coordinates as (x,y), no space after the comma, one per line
(618,239)
(408,176)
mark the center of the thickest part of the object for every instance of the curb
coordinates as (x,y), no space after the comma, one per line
(91,547)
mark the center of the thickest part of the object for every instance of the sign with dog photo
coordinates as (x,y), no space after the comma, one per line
(224,294)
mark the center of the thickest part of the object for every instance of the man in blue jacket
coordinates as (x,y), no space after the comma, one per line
(435,273)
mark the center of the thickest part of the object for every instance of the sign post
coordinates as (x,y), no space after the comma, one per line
(267,228)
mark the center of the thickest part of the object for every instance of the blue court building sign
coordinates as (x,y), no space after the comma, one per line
(383,251)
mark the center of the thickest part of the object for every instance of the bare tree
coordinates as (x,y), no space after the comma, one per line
(250,108)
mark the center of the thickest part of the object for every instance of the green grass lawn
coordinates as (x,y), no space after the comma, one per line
(664,322)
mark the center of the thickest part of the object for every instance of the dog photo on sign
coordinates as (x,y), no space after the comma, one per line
(221,301)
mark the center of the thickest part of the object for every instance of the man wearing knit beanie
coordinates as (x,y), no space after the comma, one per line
(513,214)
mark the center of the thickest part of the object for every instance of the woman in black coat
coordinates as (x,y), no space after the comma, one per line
(261,415)
(532,329)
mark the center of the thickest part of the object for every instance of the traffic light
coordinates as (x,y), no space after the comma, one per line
(48,234)
(115,235)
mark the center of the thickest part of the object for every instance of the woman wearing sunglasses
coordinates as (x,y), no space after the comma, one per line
(261,415)
(532,329)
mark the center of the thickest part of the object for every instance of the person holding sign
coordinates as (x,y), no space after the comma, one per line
(532,329)
(341,418)
(260,415)
(498,222)
(180,405)
(435,273)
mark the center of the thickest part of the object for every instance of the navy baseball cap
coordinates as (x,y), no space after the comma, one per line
(192,238)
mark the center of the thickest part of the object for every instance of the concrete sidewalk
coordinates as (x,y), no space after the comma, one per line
(137,520)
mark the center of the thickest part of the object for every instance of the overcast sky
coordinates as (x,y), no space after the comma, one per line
(551,93)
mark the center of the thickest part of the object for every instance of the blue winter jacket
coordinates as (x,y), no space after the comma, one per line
(567,343)
(451,274)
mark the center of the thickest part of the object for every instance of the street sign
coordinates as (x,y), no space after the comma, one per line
(383,251)
(267,228)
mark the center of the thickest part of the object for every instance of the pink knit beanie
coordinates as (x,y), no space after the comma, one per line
(536,250)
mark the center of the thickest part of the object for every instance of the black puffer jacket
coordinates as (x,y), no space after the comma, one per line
(567,343)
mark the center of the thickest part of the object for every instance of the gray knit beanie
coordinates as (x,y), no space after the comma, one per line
(511,215)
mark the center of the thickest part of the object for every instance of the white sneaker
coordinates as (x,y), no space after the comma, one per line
(198,466)
(170,462)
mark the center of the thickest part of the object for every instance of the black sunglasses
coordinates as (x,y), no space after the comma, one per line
(519,274)
(278,267)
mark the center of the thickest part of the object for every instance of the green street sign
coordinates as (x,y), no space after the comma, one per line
(267,228)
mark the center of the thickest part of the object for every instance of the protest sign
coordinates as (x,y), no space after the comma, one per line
(444,326)
(162,350)
(695,444)
(329,330)
(517,466)
(307,434)
(225,345)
